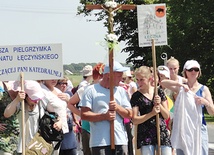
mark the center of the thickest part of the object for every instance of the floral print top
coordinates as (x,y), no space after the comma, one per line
(8,138)
(147,131)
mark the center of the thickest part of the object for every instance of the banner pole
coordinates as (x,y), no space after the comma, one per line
(23,114)
(155,93)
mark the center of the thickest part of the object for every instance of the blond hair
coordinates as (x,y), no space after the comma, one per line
(171,60)
(144,71)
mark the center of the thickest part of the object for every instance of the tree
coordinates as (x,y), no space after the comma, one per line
(190,29)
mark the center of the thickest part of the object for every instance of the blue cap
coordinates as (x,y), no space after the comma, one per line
(117,68)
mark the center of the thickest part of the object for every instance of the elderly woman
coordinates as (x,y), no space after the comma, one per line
(69,142)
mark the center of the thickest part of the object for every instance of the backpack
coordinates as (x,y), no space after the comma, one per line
(46,129)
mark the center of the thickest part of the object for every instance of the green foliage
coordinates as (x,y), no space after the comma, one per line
(190,27)
(209,118)
(76,68)
(75,79)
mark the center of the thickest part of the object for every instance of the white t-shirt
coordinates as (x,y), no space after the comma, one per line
(70,86)
(83,84)
(31,124)
(132,85)
(55,104)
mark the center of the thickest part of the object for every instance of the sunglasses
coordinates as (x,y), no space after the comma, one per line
(193,69)
(161,68)
(62,83)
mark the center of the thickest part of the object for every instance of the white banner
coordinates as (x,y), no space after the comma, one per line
(152,24)
(36,62)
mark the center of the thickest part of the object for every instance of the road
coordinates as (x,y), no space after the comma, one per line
(211,138)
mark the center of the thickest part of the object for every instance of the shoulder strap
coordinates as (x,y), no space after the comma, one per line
(5,87)
(200,91)
(202,88)
(39,109)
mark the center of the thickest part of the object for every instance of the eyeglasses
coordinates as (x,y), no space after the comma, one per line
(62,83)
(193,69)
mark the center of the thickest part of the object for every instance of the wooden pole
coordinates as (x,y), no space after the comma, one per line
(23,115)
(111,88)
(122,7)
(111,80)
(137,151)
(111,51)
(155,93)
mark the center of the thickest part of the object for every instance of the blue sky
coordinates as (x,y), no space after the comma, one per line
(54,21)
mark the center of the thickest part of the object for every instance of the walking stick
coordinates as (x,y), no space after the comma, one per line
(23,115)
(155,93)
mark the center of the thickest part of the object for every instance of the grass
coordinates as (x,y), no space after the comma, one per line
(209,119)
(75,79)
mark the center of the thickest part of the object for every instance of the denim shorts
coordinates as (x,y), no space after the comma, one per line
(150,150)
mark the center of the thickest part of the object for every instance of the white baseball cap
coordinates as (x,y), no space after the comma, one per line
(164,70)
(191,64)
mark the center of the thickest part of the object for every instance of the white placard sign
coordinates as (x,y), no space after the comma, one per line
(36,62)
(152,24)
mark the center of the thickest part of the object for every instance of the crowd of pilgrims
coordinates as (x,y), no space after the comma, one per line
(86,111)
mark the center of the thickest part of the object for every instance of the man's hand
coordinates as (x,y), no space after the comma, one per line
(113,105)
(111,115)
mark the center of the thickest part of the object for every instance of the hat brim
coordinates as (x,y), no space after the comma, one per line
(122,69)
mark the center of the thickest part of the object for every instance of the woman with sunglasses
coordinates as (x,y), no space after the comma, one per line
(201,96)
(69,142)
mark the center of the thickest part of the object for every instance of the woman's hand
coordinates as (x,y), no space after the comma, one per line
(2,127)
(58,125)
(157,99)
(64,96)
(186,88)
(156,109)
(201,101)
(21,95)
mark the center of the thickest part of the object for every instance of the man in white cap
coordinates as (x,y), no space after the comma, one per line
(95,106)
(87,76)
